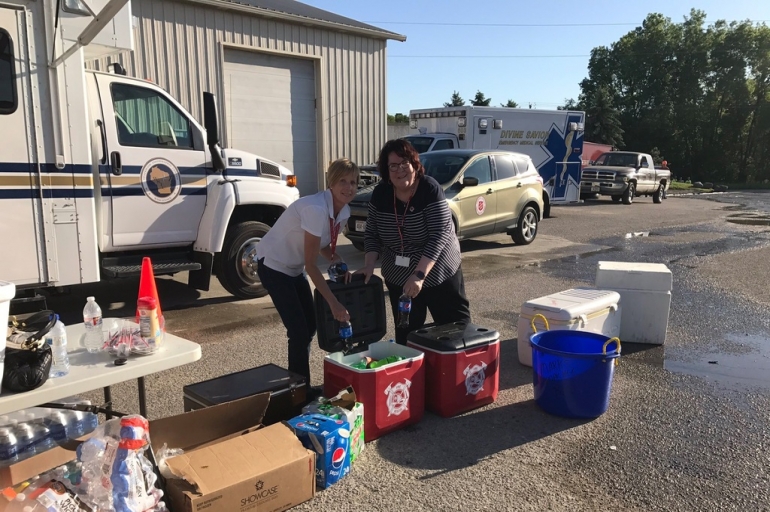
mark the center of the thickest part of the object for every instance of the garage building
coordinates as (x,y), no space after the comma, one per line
(295,84)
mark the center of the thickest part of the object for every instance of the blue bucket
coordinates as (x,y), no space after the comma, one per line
(572,371)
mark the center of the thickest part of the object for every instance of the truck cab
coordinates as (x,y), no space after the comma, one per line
(99,170)
(425,142)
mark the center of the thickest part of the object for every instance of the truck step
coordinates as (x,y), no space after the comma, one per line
(132,266)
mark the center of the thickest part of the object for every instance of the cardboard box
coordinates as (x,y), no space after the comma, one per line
(343,406)
(330,440)
(231,466)
(26,469)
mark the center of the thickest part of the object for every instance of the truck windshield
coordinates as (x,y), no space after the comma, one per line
(421,144)
(616,160)
(442,168)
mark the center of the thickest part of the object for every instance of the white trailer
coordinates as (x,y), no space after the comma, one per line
(552,138)
(98,170)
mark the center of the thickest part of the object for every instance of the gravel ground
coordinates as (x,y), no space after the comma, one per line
(681,433)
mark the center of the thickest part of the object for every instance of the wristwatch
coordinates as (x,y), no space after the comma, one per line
(420,274)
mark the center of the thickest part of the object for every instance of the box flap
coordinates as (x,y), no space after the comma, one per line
(220,465)
(453,337)
(366,305)
(210,423)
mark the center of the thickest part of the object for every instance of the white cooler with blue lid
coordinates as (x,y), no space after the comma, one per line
(7,293)
(645,291)
(577,309)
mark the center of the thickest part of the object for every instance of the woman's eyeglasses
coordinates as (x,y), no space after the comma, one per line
(395,167)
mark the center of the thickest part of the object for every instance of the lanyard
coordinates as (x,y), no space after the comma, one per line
(403,219)
(334,230)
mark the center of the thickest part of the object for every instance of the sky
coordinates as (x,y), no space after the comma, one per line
(529,51)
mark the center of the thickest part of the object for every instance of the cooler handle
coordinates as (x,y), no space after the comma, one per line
(604,348)
(544,319)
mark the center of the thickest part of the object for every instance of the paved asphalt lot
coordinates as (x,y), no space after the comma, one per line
(687,427)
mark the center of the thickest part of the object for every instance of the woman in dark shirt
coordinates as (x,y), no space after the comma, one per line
(410,229)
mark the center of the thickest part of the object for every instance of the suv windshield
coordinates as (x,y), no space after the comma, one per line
(421,144)
(616,160)
(442,167)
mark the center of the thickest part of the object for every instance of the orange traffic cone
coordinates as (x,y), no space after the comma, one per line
(147,286)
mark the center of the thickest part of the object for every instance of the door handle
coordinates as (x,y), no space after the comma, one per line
(103,132)
(117,166)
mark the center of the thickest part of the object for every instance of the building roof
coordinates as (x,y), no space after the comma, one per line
(297,12)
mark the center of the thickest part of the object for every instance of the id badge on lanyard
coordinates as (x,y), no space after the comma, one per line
(334,231)
(401,260)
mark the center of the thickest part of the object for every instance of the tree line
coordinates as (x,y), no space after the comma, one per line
(699,95)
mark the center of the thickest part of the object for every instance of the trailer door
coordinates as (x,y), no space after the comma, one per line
(23,261)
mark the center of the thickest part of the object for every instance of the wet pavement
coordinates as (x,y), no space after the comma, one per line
(688,427)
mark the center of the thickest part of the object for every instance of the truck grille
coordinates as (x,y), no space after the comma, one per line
(598,175)
(268,169)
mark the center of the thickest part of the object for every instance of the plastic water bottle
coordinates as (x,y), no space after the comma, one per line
(25,438)
(404,308)
(92,318)
(90,420)
(9,447)
(57,424)
(42,435)
(57,339)
(346,332)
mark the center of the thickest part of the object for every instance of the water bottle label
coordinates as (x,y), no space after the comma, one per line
(346,332)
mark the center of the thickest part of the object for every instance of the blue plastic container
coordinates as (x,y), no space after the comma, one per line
(572,372)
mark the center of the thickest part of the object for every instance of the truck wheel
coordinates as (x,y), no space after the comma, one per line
(358,245)
(657,195)
(526,229)
(616,199)
(546,206)
(237,268)
(628,195)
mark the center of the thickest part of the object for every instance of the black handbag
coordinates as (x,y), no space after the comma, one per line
(28,357)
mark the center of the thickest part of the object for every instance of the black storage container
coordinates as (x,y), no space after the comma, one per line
(366,305)
(287,391)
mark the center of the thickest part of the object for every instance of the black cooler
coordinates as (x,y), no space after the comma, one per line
(287,391)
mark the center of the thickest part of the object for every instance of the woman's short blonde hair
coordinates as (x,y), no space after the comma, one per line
(341,168)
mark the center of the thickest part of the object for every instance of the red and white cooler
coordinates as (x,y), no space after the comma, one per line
(462,366)
(393,395)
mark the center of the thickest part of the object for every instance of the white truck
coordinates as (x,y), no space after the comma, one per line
(98,170)
(552,138)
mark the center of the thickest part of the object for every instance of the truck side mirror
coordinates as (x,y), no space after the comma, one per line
(470,182)
(210,119)
(211,123)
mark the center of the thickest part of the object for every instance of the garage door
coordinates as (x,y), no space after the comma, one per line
(270,111)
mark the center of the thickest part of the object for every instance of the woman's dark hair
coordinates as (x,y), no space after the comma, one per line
(403,149)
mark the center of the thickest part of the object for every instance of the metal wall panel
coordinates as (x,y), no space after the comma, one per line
(180,46)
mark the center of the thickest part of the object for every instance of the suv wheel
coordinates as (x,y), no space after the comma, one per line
(526,229)
(358,245)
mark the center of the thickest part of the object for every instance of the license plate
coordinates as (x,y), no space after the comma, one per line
(361,225)
(594,187)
